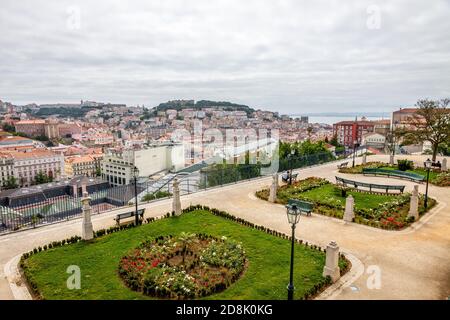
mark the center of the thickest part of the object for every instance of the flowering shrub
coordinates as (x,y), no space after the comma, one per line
(358,168)
(184,266)
(442,179)
(391,215)
(287,191)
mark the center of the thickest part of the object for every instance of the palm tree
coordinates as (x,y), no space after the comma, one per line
(187,239)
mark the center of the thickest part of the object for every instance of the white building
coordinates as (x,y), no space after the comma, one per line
(6,169)
(28,163)
(375,140)
(117,167)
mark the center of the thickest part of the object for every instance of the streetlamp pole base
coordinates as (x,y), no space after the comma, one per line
(290,289)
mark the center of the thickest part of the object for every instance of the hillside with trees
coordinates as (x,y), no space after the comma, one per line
(191,104)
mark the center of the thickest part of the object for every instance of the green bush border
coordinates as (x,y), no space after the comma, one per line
(338,212)
(310,294)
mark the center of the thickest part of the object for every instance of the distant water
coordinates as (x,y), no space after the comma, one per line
(334,119)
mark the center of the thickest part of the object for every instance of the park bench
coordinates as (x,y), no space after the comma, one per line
(285,176)
(130,214)
(436,166)
(370,186)
(303,206)
(394,173)
(342,165)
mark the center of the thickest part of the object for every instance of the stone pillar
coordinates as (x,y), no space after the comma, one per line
(87,232)
(391,159)
(414,204)
(349,212)
(364,158)
(274,188)
(332,262)
(444,164)
(176,204)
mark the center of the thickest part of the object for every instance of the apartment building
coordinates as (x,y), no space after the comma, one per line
(374,140)
(31,128)
(117,166)
(49,128)
(30,162)
(81,165)
(403,119)
(6,169)
(348,132)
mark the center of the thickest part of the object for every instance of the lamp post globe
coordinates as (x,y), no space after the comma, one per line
(293,216)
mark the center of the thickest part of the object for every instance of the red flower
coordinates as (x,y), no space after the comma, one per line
(155,263)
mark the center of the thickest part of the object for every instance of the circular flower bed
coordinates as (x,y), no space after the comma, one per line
(184,266)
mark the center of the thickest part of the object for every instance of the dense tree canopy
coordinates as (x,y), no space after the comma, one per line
(430,123)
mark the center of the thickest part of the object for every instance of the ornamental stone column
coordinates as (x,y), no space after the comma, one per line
(414,204)
(349,213)
(176,204)
(332,262)
(364,159)
(274,188)
(444,165)
(87,232)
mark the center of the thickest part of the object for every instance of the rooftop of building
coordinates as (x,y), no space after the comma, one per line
(358,122)
(8,139)
(79,159)
(77,181)
(29,153)
(406,110)
(36,121)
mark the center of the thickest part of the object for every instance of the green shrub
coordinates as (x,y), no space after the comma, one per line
(404,165)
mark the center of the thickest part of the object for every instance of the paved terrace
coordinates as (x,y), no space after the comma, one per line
(414,263)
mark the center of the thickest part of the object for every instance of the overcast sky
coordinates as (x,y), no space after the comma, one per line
(288,56)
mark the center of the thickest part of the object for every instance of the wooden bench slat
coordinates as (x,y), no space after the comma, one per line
(129,214)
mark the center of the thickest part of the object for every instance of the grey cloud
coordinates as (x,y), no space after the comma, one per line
(290,56)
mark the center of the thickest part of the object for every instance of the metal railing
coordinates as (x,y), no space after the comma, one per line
(63,208)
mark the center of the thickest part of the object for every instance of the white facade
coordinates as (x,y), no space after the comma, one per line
(28,164)
(6,169)
(374,139)
(159,158)
(117,168)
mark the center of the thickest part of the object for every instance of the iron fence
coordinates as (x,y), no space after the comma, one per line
(62,208)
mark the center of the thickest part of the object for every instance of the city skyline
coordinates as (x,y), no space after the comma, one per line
(288,57)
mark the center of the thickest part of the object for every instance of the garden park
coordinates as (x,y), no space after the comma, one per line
(440,178)
(202,254)
(376,209)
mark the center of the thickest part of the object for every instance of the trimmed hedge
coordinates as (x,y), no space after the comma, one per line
(317,289)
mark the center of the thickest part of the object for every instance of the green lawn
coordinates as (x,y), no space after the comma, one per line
(266,276)
(441,179)
(330,193)
(373,209)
